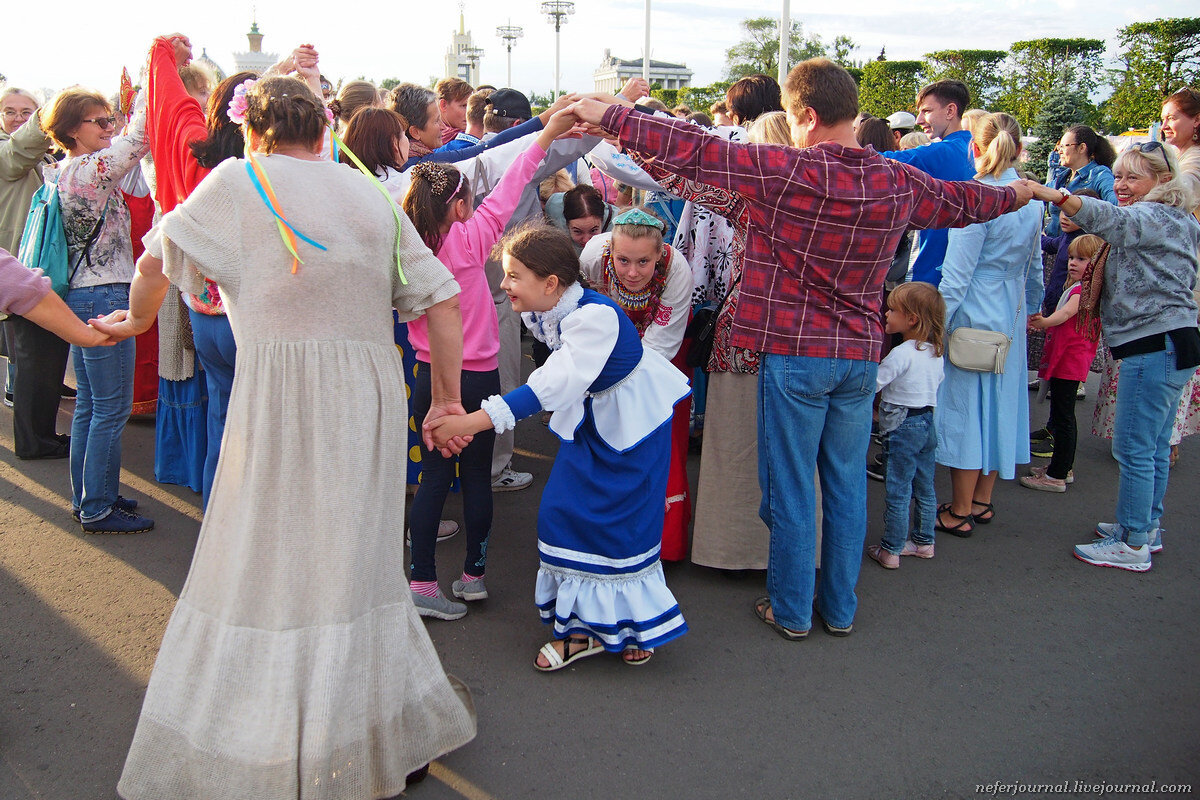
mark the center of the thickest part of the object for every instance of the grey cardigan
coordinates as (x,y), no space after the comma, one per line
(1151,269)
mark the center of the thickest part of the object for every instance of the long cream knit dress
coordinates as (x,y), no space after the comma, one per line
(294,664)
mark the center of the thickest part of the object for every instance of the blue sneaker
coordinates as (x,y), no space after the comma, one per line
(1106,530)
(123,503)
(119,521)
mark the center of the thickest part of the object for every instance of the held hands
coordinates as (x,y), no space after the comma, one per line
(183,48)
(447,433)
(1025,192)
(635,89)
(442,414)
(305,58)
(1037,322)
(563,125)
(115,327)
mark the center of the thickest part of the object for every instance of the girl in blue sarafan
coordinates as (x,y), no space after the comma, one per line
(600,523)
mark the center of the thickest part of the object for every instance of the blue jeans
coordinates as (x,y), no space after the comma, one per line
(814,412)
(909,457)
(104,378)
(1148,392)
(217,352)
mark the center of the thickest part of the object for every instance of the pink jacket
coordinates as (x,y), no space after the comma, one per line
(464,251)
(20,289)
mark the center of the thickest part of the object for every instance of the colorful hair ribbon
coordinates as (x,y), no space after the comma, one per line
(287,232)
(339,144)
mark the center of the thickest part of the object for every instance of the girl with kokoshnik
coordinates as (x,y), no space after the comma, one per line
(600,582)
(652,283)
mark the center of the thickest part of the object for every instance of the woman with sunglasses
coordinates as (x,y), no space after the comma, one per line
(1085,159)
(96,222)
(1143,296)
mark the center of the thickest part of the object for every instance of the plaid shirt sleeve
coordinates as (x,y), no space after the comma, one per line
(955,204)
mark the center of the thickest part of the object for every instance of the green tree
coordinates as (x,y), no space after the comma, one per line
(1061,108)
(1038,65)
(842,49)
(701,98)
(759,49)
(889,86)
(669,97)
(978,69)
(387,84)
(1158,58)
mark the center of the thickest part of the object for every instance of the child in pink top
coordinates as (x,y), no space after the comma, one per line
(441,206)
(1066,357)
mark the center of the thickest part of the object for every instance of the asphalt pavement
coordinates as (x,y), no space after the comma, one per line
(1002,667)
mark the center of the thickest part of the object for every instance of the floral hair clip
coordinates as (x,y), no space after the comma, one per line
(238,103)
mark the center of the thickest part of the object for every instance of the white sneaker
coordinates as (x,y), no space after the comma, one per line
(510,480)
(1107,530)
(446,530)
(1114,553)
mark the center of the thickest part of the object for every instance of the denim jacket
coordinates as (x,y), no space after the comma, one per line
(1096,177)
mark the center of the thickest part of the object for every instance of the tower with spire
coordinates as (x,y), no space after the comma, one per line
(462,57)
(254,60)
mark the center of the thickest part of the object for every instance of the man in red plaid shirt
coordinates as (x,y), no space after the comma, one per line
(825,219)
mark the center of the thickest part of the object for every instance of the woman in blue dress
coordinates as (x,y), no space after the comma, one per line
(600,582)
(991,280)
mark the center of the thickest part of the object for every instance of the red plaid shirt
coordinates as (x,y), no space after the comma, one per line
(824,223)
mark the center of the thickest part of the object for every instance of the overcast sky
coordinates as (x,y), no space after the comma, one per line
(89,43)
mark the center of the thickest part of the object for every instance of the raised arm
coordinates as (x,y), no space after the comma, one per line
(174,119)
(954,204)
(24,149)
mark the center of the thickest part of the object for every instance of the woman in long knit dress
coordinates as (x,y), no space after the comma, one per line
(294,664)
(992,280)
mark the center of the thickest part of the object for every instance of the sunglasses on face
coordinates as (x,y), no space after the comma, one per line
(103,123)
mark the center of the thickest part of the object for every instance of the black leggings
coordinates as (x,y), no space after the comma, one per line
(437,474)
(1062,425)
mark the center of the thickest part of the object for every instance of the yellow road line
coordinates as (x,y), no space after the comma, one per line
(457,782)
(531,454)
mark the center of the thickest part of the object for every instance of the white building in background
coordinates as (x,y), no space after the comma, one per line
(206,61)
(462,57)
(254,60)
(612,73)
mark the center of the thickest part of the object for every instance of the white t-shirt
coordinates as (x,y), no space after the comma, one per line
(910,377)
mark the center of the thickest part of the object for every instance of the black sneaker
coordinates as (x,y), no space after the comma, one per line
(877,468)
(67,392)
(8,399)
(1042,448)
(1040,433)
(119,521)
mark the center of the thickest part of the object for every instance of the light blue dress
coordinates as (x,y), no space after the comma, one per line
(991,278)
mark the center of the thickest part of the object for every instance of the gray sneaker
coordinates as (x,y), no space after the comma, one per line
(470,590)
(511,481)
(439,607)
(1106,530)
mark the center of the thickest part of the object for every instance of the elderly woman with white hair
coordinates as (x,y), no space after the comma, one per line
(1144,296)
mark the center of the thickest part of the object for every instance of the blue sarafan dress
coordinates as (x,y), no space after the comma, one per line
(991,280)
(600,522)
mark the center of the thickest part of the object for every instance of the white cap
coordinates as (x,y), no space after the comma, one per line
(902,120)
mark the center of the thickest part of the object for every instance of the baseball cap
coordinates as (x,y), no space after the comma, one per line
(901,120)
(510,103)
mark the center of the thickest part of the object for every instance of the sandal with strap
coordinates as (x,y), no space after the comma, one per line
(637,661)
(556,661)
(761,606)
(988,509)
(964,528)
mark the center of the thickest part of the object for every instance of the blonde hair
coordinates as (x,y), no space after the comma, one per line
(910,141)
(770,128)
(924,302)
(351,97)
(1085,246)
(197,79)
(558,182)
(999,142)
(14,91)
(1154,164)
(972,120)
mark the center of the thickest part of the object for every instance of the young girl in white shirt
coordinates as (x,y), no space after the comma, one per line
(908,380)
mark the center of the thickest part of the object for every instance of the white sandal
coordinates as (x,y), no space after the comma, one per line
(556,660)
